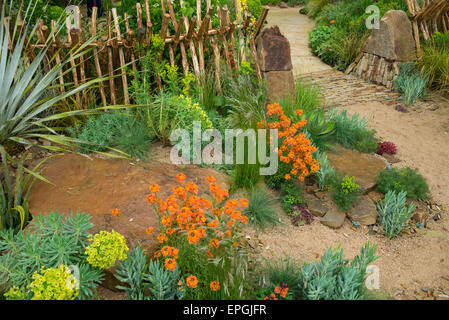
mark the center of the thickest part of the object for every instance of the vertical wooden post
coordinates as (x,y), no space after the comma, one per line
(110,62)
(96,60)
(121,57)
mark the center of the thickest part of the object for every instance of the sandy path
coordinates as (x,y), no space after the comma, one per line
(406,264)
(296,28)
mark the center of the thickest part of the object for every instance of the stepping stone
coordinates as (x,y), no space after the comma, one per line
(334,219)
(317,208)
(375,196)
(364,167)
(363,211)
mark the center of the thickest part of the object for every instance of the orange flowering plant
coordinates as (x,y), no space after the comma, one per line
(197,233)
(295,148)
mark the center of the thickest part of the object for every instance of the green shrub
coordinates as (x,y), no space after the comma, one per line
(49,241)
(291,195)
(393,213)
(276,180)
(345,192)
(168,112)
(123,131)
(353,132)
(410,83)
(261,210)
(254,7)
(315,6)
(336,278)
(319,41)
(406,179)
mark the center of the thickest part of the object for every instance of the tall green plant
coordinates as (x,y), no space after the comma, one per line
(14,195)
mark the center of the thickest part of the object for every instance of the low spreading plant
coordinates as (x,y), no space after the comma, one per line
(336,278)
(393,213)
(198,236)
(50,241)
(405,179)
(301,215)
(386,147)
(261,210)
(291,195)
(345,192)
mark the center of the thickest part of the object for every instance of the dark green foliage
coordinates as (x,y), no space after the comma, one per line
(344,192)
(291,194)
(123,131)
(51,239)
(261,210)
(405,179)
(353,132)
(336,278)
(276,180)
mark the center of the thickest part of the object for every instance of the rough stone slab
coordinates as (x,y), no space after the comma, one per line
(364,167)
(334,219)
(279,84)
(363,211)
(317,208)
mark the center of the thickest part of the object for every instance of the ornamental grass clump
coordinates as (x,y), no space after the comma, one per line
(198,235)
(393,213)
(106,248)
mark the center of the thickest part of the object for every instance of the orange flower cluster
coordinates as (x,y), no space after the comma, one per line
(280,290)
(295,147)
(199,220)
(214,285)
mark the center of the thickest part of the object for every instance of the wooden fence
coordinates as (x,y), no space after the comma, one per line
(115,50)
(432,17)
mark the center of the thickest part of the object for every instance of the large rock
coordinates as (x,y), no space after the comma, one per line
(273,50)
(394,39)
(279,84)
(97,186)
(363,211)
(333,219)
(364,167)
